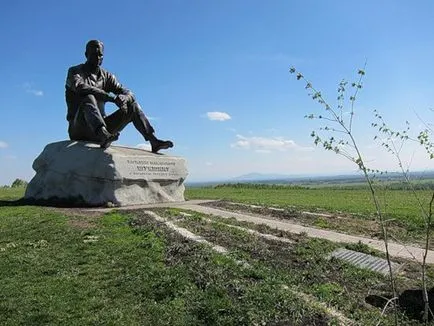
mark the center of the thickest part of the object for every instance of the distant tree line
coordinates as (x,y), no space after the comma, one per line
(17,183)
(259,186)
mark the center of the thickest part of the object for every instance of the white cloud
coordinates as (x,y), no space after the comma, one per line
(209,164)
(35,92)
(30,89)
(267,145)
(218,116)
(145,146)
(3,144)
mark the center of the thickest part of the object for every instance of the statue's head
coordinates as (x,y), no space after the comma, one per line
(94,53)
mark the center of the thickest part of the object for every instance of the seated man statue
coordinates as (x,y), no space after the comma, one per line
(88,88)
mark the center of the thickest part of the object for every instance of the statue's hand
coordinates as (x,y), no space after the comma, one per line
(122,102)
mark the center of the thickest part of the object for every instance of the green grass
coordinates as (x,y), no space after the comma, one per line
(51,275)
(127,269)
(11,193)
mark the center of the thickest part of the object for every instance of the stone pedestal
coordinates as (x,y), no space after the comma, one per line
(82,173)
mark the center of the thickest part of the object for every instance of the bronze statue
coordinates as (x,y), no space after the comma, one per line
(88,88)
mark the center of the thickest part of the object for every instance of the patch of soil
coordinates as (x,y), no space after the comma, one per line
(82,223)
(76,211)
(302,257)
(410,302)
(80,218)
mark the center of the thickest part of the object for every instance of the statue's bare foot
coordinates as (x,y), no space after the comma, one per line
(160,144)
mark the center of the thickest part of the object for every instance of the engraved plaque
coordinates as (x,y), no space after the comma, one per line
(151,167)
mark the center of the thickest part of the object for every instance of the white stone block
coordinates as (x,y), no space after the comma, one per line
(83,173)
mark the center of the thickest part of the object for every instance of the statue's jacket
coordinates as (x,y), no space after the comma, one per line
(80,82)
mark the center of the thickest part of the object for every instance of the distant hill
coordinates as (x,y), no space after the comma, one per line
(252,177)
(261,177)
(308,180)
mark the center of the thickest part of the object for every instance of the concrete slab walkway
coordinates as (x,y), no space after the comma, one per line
(395,249)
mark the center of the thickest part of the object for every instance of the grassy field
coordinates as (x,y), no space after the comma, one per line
(11,193)
(397,204)
(60,267)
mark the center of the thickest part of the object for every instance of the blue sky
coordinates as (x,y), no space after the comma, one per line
(213,77)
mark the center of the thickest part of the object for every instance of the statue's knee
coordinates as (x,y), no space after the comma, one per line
(133,108)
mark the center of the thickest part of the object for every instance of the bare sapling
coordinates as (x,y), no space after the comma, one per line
(337,135)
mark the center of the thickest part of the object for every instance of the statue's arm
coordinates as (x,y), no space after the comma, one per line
(76,83)
(115,87)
